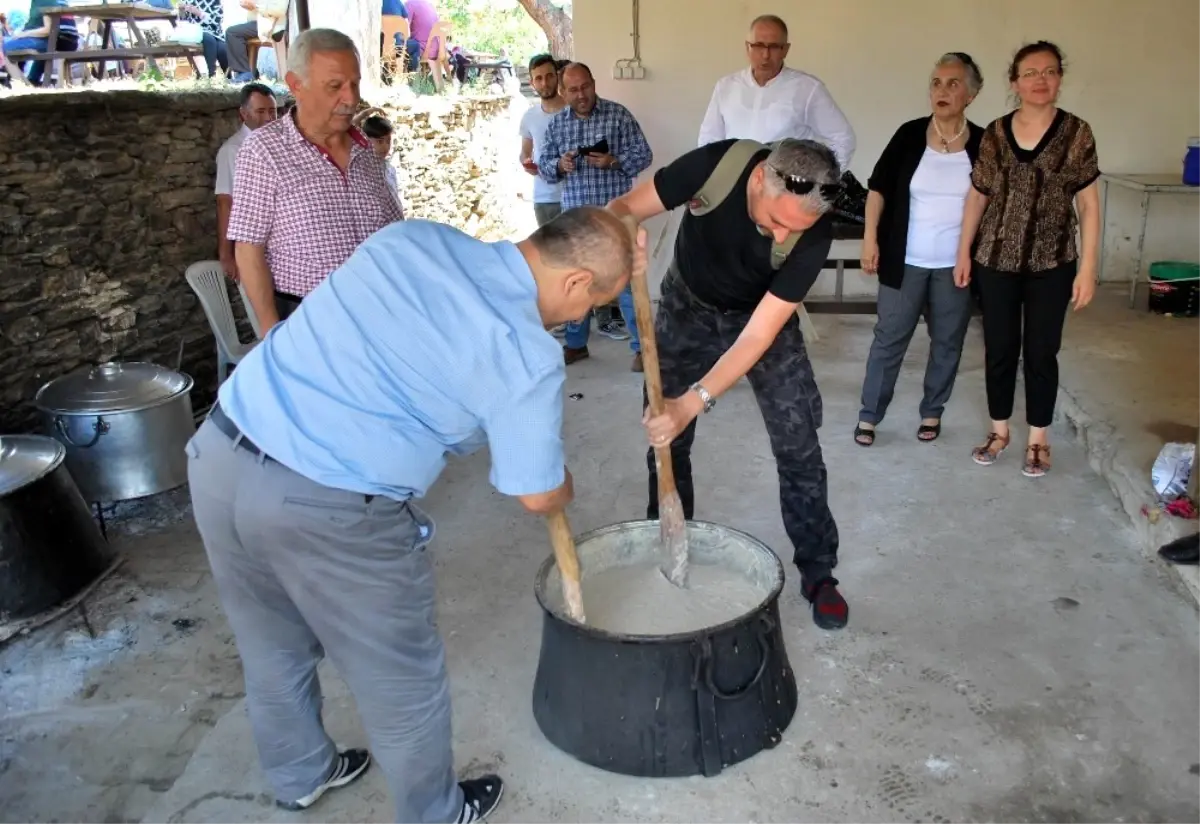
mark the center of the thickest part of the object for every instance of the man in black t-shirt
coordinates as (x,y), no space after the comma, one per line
(728,310)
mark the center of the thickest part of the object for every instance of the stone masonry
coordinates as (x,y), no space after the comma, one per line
(107,196)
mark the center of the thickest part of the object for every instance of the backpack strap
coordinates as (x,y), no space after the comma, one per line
(723,178)
(721,182)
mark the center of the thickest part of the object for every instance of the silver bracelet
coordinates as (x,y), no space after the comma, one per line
(708,400)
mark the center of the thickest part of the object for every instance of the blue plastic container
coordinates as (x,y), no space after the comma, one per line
(1191,163)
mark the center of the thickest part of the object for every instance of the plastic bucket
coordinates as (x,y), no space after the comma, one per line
(1175,288)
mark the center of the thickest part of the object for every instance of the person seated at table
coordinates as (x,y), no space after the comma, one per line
(412,49)
(269,18)
(36,35)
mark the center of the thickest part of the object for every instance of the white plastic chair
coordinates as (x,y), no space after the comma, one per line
(207,280)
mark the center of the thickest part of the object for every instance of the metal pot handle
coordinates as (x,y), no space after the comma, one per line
(100,426)
(704,664)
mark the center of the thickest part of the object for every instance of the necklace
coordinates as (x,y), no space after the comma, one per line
(945,140)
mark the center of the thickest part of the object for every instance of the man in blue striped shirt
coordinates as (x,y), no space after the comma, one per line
(595,149)
(303,480)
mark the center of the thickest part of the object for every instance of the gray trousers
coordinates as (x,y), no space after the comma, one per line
(543,213)
(302,569)
(947,312)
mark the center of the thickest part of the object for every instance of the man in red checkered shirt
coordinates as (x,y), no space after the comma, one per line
(307,188)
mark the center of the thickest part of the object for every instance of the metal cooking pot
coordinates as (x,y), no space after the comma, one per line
(50,547)
(124,425)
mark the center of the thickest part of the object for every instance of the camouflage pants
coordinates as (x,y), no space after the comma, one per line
(691,337)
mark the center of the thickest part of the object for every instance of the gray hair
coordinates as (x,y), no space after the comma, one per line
(317,41)
(587,237)
(971,71)
(774,20)
(807,160)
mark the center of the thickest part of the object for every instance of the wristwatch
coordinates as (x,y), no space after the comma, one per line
(709,401)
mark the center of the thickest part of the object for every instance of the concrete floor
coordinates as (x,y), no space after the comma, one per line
(1011,654)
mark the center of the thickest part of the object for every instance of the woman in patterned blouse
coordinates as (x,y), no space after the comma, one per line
(1037,166)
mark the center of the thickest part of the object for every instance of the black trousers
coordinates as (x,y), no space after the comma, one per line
(215,54)
(1023,315)
(691,337)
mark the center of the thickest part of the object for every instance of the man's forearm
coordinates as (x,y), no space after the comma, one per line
(256,278)
(224,209)
(731,367)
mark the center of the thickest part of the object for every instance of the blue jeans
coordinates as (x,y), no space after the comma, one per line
(36,67)
(68,40)
(578,333)
(413,50)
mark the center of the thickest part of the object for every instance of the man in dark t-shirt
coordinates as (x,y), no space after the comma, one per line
(728,311)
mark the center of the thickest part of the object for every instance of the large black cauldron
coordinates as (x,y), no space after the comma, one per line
(50,546)
(671,705)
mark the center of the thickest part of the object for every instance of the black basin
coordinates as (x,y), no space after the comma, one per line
(668,705)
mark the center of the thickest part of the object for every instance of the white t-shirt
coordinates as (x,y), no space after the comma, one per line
(227,160)
(935,214)
(533,126)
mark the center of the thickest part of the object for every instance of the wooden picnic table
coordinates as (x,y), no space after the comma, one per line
(129,13)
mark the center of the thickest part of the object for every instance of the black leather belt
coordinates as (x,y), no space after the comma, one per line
(222,422)
(231,431)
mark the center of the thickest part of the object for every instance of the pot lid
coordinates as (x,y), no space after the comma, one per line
(112,387)
(27,458)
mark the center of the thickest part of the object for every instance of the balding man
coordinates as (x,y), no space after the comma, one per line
(303,481)
(728,310)
(769,101)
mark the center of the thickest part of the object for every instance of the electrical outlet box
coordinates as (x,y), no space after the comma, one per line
(638,73)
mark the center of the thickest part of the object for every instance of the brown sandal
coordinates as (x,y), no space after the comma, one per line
(1037,460)
(987,453)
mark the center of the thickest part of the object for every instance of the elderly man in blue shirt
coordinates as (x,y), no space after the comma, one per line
(305,475)
(595,149)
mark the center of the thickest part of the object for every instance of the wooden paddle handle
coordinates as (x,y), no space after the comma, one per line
(645,325)
(567,560)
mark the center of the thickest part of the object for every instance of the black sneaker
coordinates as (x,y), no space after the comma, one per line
(350,765)
(481,797)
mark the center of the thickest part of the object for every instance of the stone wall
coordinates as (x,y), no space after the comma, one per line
(107,196)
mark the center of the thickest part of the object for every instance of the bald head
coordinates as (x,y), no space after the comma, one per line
(579,88)
(588,238)
(767,46)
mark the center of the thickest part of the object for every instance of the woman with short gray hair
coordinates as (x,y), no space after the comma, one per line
(914,218)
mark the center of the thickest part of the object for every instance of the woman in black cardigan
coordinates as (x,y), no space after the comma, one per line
(913,222)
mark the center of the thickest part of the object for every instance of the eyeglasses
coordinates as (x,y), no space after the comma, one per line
(1049,74)
(801,186)
(773,48)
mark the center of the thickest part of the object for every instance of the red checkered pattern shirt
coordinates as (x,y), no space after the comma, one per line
(289,196)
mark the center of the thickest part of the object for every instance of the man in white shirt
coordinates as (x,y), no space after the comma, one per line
(257,109)
(769,101)
(543,76)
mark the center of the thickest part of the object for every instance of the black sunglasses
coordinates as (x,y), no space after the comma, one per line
(801,186)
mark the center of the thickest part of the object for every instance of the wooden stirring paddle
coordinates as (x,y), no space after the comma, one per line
(673,528)
(568,564)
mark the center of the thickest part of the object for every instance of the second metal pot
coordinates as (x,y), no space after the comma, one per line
(124,426)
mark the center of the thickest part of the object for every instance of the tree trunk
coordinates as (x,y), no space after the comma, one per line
(360,21)
(556,23)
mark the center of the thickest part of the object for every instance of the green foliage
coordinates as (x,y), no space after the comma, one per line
(489,25)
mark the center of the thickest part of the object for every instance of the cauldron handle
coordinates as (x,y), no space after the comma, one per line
(705,660)
(99,427)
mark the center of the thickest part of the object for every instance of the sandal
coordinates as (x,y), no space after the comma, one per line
(987,453)
(1037,460)
(929,432)
(864,437)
